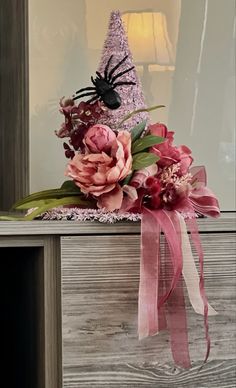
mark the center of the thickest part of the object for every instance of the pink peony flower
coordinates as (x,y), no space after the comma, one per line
(99,138)
(112,200)
(98,174)
(168,153)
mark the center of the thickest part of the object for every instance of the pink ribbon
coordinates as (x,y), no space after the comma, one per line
(161,297)
(193,228)
(148,320)
(152,298)
(201,198)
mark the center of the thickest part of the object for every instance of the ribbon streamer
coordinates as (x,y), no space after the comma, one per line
(161,306)
(190,274)
(192,224)
(158,308)
(149,275)
(152,309)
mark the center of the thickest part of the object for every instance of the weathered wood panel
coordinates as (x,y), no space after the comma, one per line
(99,318)
(14,107)
(38,260)
(226,223)
(52,313)
(216,374)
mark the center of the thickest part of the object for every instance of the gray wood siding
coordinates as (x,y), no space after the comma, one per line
(99,317)
(99,293)
(14,106)
(226,223)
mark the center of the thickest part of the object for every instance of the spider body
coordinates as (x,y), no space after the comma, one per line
(104,86)
(107,93)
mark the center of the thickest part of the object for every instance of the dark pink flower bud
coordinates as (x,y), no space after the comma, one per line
(150,181)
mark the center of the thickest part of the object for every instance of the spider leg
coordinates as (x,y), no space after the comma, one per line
(107,67)
(83,90)
(84,95)
(123,83)
(93,81)
(121,73)
(92,99)
(98,74)
(116,67)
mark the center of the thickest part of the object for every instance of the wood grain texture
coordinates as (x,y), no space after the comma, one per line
(226,223)
(100,273)
(216,374)
(21,241)
(52,312)
(44,281)
(14,107)
(99,317)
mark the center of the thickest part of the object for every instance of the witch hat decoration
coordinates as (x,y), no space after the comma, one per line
(115,49)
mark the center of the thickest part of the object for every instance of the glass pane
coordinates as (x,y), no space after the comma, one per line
(192,73)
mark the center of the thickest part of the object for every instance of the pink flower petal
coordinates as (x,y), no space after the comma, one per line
(130,191)
(112,200)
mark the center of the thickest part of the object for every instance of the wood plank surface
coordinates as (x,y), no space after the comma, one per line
(216,374)
(14,94)
(100,276)
(226,223)
(42,256)
(52,313)
(21,241)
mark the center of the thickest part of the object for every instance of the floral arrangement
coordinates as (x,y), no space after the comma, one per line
(120,170)
(139,172)
(135,172)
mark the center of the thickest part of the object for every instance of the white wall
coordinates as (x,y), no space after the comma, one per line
(66,38)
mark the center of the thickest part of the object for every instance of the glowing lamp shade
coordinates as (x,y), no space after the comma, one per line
(148,38)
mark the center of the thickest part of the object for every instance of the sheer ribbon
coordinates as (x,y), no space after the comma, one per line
(161,297)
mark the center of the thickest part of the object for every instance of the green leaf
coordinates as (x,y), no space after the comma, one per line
(55,203)
(36,203)
(146,142)
(47,205)
(137,131)
(47,194)
(128,116)
(127,179)
(70,186)
(143,159)
(12,218)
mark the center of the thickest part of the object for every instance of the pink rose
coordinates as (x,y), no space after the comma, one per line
(98,174)
(99,138)
(168,153)
(160,129)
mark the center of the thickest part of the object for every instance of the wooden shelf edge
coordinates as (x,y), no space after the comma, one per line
(226,223)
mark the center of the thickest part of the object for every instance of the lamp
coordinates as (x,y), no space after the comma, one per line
(149,42)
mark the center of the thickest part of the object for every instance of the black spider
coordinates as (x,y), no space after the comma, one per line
(104,86)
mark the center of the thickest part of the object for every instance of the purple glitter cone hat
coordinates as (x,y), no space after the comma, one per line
(116,44)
